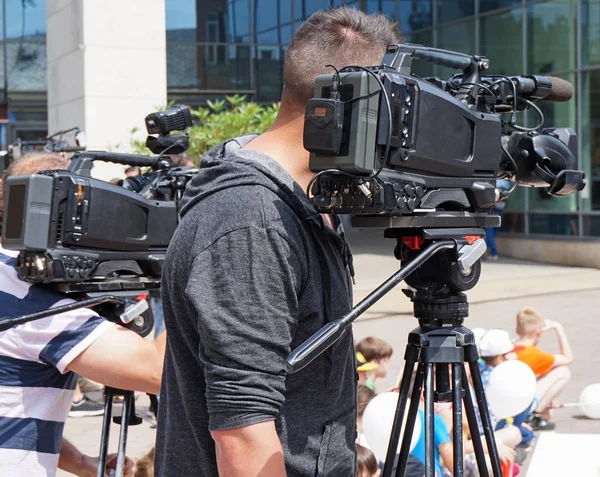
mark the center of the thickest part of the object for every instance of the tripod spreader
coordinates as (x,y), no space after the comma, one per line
(330,333)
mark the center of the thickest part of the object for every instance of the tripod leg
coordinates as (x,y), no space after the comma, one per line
(105,435)
(474,429)
(429,422)
(457,424)
(415,398)
(154,404)
(488,432)
(125,415)
(410,356)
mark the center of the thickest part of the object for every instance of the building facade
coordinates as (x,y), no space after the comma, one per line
(221,47)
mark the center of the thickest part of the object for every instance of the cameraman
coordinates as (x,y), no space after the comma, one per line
(38,362)
(251,272)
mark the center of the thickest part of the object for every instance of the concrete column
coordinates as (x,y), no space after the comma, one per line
(106,67)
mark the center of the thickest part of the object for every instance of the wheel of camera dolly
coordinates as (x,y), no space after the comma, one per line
(458,280)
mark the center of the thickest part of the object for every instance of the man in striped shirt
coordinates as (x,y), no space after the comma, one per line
(40,360)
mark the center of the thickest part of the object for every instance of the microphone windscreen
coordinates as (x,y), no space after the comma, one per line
(561,90)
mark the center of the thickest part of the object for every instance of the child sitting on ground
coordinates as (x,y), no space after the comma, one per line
(552,371)
(364,397)
(144,467)
(495,347)
(375,355)
(366,463)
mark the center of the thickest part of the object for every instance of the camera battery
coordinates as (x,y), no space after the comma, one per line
(323,126)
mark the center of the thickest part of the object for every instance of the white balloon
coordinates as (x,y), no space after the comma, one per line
(510,389)
(590,401)
(378,420)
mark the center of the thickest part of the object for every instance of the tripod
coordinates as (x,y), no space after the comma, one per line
(127,418)
(438,265)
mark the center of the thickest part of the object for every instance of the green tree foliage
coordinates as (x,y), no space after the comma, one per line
(221,120)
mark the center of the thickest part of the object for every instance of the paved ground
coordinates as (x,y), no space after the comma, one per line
(569,295)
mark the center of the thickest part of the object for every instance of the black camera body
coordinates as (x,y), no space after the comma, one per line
(72,228)
(84,235)
(386,142)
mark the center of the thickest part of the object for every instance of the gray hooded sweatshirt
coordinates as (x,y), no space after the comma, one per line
(252,272)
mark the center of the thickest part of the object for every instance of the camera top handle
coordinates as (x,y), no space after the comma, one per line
(400,58)
(82,163)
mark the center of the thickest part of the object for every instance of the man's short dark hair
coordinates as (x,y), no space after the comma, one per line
(340,37)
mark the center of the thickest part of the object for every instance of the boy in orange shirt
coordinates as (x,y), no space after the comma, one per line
(551,370)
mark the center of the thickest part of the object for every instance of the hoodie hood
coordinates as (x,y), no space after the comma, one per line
(228,165)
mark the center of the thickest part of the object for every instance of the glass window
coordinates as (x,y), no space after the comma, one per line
(516,201)
(590,32)
(489,5)
(180,14)
(553,224)
(26,19)
(305,8)
(265,15)
(591,225)
(551,36)
(387,7)
(457,37)
(285,11)
(208,66)
(414,15)
(421,68)
(450,10)
(26,65)
(590,162)
(272,25)
(269,72)
(194,21)
(501,38)
(513,222)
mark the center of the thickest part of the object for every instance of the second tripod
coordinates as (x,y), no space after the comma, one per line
(127,418)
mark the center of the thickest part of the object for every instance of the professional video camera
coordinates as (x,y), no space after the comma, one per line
(421,157)
(84,236)
(430,147)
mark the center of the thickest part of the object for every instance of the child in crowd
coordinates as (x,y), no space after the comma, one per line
(373,356)
(366,463)
(144,467)
(551,370)
(495,347)
(442,443)
(364,397)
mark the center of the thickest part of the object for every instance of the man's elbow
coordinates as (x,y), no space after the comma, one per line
(230,440)
(154,377)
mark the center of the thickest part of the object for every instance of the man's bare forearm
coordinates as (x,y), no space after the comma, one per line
(71,460)
(251,451)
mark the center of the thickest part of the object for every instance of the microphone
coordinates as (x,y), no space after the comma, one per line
(547,88)
(561,91)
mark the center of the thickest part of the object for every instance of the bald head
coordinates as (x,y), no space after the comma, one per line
(340,37)
(31,163)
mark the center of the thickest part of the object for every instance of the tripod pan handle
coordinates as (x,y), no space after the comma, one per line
(314,346)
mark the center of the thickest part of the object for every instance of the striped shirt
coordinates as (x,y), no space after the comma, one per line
(36,389)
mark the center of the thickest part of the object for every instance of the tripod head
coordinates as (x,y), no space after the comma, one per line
(437,263)
(437,286)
